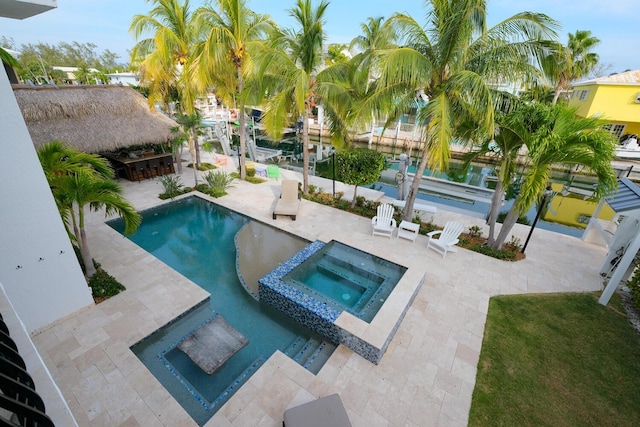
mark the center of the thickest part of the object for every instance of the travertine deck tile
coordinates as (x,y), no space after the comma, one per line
(426,378)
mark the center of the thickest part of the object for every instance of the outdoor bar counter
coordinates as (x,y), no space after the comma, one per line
(141,167)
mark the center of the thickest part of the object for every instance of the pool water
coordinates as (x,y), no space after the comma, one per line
(196,238)
(347,279)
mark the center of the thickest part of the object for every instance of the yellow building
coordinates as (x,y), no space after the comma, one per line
(615,99)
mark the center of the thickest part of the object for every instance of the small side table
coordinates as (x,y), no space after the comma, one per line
(408,230)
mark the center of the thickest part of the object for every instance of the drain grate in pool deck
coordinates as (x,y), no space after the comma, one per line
(211,345)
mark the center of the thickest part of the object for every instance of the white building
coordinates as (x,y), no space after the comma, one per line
(126,79)
(40,278)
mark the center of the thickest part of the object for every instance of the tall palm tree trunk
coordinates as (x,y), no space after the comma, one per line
(496,201)
(178,156)
(241,121)
(407,213)
(305,148)
(192,151)
(507,225)
(90,270)
(373,127)
(556,95)
(194,133)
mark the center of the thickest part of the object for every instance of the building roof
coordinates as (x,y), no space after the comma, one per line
(627,198)
(628,78)
(91,118)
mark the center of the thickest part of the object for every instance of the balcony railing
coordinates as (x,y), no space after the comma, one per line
(20,404)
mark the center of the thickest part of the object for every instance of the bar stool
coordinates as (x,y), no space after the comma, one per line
(154,168)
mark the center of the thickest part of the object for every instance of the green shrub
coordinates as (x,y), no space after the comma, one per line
(634,286)
(494,253)
(475,231)
(172,186)
(217,183)
(514,244)
(251,179)
(255,179)
(427,227)
(104,285)
(204,166)
(521,219)
(251,172)
(203,188)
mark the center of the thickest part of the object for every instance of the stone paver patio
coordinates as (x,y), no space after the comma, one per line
(426,377)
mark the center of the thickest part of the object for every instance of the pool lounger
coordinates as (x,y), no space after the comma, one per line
(289,200)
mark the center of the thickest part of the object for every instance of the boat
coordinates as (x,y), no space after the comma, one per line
(628,148)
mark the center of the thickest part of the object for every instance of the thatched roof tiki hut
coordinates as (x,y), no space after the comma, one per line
(91,118)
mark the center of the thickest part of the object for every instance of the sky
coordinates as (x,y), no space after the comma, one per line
(106,23)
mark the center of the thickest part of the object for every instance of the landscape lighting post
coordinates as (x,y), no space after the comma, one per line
(333,167)
(543,203)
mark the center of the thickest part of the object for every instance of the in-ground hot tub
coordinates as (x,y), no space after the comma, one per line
(332,287)
(346,279)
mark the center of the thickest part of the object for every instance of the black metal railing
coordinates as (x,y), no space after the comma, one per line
(20,404)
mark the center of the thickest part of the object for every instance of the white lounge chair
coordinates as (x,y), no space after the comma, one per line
(383,223)
(447,239)
(289,200)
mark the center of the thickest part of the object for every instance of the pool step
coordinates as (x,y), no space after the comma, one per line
(319,357)
(310,354)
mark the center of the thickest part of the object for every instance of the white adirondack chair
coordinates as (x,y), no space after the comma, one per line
(447,238)
(383,223)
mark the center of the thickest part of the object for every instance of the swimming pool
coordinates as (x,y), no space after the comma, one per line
(196,238)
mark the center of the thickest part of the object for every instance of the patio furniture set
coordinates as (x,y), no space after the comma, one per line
(383,224)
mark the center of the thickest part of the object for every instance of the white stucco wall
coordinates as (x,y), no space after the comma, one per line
(38,268)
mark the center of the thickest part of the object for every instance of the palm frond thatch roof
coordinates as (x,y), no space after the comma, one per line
(91,118)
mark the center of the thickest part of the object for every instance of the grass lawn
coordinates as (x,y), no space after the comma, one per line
(557,360)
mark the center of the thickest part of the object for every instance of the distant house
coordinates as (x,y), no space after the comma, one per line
(615,99)
(71,73)
(125,79)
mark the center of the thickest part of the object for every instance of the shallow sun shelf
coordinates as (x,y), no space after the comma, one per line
(211,345)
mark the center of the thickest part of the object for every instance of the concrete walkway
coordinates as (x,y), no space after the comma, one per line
(426,377)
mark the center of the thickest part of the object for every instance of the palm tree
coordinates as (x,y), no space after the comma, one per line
(190,123)
(84,190)
(504,146)
(7,58)
(83,74)
(571,62)
(335,54)
(452,60)
(77,180)
(293,64)
(165,59)
(231,36)
(375,37)
(554,135)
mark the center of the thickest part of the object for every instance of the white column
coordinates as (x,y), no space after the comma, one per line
(621,269)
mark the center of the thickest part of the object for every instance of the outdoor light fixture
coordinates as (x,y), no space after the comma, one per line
(333,167)
(545,196)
